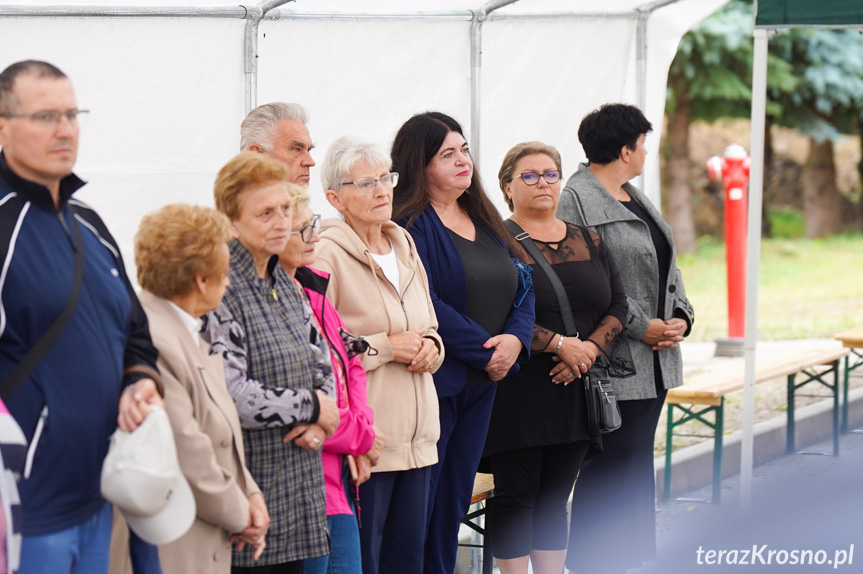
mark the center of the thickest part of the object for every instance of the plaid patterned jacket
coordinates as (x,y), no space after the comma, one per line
(264,331)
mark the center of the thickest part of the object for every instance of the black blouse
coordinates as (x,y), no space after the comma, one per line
(662,248)
(491,281)
(529,409)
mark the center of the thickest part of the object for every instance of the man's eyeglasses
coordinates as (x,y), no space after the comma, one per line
(532,178)
(368,184)
(51,117)
(308,231)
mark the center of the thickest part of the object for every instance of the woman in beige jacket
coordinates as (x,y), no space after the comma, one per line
(380,289)
(182,258)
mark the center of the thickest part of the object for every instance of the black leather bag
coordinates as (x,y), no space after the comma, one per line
(603,413)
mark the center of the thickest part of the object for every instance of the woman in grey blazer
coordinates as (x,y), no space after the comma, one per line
(613,524)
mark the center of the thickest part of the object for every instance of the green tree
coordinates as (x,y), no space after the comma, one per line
(710,78)
(826,102)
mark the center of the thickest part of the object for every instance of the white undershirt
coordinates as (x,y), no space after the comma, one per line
(192,324)
(390,267)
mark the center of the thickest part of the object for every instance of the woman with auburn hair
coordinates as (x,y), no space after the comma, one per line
(355,437)
(482,298)
(277,365)
(538,434)
(182,256)
(616,490)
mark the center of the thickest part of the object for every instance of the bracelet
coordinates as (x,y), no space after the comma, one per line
(589,340)
(559,344)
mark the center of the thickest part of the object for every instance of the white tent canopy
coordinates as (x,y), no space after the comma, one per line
(168,83)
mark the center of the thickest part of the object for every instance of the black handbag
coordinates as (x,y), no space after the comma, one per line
(603,413)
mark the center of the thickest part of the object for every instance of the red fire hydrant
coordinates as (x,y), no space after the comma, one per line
(732,169)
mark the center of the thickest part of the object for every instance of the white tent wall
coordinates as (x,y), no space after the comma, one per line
(167,93)
(376,74)
(540,77)
(165,106)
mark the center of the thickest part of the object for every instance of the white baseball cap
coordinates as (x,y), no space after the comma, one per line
(142,477)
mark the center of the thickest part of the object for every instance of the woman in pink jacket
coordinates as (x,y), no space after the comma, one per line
(355,436)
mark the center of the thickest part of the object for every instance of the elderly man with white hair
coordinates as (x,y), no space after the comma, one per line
(279,131)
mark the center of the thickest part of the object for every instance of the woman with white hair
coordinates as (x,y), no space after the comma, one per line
(379,287)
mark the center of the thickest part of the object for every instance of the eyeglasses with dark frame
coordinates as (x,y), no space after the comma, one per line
(368,184)
(532,178)
(306,232)
(51,117)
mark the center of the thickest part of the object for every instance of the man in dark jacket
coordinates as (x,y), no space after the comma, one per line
(101,369)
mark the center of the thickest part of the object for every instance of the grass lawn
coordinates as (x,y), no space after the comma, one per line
(808,288)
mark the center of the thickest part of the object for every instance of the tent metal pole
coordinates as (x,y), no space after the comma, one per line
(476,72)
(641,82)
(254,15)
(753,258)
(80,11)
(641,61)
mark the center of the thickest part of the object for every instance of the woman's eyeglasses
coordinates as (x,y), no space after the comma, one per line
(368,184)
(532,178)
(307,231)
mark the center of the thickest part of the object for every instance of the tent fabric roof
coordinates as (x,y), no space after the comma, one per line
(167,91)
(354,7)
(809,14)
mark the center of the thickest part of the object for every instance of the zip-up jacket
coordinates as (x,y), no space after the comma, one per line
(67,407)
(355,434)
(405,403)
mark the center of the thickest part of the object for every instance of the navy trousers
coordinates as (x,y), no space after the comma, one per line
(393,518)
(463,425)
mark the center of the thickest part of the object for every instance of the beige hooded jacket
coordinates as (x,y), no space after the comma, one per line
(405,403)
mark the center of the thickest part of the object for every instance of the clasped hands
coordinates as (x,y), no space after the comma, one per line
(663,335)
(419,353)
(365,462)
(312,436)
(573,359)
(255,532)
(506,350)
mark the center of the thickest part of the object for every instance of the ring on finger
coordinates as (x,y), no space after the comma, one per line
(317,441)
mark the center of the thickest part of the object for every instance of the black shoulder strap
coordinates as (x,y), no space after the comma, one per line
(565,310)
(35,354)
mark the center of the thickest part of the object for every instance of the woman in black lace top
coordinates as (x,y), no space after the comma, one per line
(538,432)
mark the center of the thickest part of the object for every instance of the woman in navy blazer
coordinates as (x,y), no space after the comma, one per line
(483,300)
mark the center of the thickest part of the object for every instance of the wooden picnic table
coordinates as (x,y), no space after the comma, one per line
(704,393)
(853,340)
(483,489)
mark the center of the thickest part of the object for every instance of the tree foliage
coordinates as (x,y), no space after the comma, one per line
(828,97)
(713,67)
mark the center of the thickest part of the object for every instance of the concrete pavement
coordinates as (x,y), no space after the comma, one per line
(806,508)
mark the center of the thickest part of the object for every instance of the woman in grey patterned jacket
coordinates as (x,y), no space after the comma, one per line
(277,366)
(613,524)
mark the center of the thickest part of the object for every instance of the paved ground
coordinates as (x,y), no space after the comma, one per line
(800,503)
(806,508)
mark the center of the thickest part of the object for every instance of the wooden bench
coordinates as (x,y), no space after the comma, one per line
(853,340)
(483,489)
(704,393)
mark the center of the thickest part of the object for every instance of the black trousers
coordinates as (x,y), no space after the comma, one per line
(613,524)
(286,568)
(531,488)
